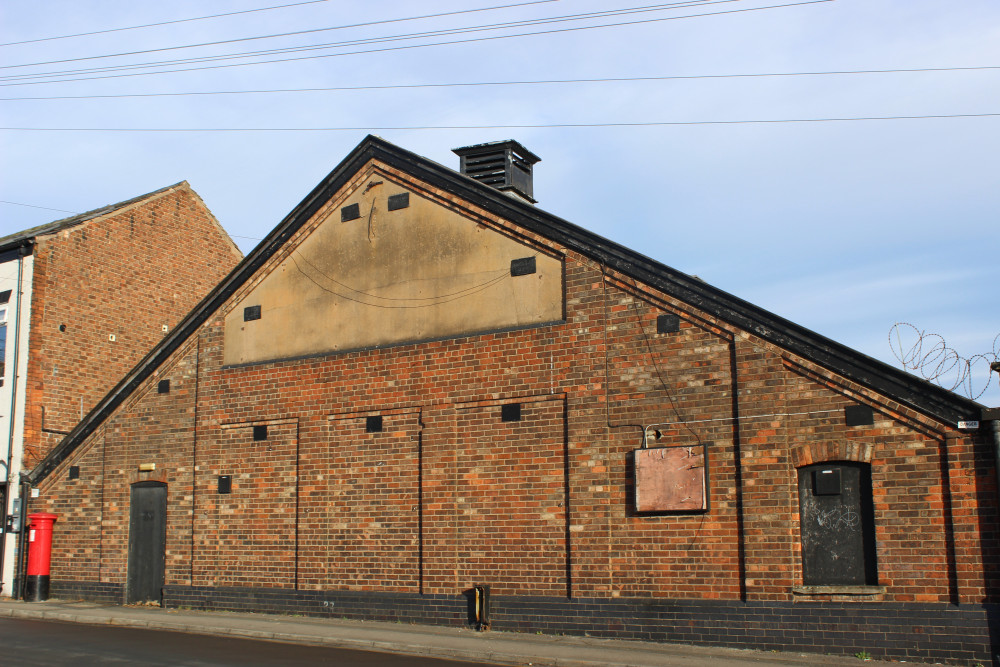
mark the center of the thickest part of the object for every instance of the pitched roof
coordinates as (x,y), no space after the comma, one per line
(898,385)
(19,238)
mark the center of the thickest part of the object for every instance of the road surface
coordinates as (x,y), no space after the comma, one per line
(28,643)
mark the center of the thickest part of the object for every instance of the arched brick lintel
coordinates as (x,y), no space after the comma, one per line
(819,452)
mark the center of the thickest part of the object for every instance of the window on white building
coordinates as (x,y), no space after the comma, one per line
(3,339)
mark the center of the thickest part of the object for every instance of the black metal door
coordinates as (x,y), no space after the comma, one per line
(147,542)
(837,525)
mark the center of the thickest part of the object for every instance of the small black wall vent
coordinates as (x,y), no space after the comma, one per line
(826,482)
(859,415)
(251,313)
(260,432)
(668,323)
(373,424)
(396,202)
(522,267)
(74,472)
(163,387)
(350,212)
(511,412)
(225,483)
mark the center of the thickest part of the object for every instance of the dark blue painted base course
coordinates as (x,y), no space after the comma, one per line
(914,632)
(94,591)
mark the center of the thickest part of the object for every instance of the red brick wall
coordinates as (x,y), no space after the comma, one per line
(247,537)
(501,488)
(668,379)
(449,495)
(79,506)
(125,274)
(359,503)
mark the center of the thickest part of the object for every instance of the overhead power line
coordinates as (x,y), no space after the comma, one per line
(302,32)
(506,126)
(60,210)
(414,46)
(348,43)
(274,35)
(153,25)
(458,84)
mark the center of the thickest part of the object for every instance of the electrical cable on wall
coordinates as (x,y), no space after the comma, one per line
(435,300)
(656,368)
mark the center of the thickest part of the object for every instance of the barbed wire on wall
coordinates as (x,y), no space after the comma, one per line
(928,355)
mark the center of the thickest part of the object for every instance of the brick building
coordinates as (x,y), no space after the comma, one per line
(81,301)
(420,383)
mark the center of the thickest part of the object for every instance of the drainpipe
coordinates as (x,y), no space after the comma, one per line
(996,455)
(993,414)
(22,542)
(13,397)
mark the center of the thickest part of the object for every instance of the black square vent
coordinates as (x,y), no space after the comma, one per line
(260,432)
(74,472)
(350,212)
(251,313)
(522,267)
(373,424)
(859,415)
(163,387)
(225,484)
(826,482)
(396,202)
(668,323)
(511,412)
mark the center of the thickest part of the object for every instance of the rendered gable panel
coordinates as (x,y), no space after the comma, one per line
(386,277)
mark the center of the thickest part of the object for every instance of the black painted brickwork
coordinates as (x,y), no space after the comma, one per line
(367,605)
(913,632)
(94,591)
(922,632)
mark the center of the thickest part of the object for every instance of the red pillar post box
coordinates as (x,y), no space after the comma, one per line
(39,555)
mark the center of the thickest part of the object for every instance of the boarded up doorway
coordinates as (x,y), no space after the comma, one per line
(147,542)
(837,524)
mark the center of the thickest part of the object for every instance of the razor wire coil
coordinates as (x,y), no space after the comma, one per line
(929,355)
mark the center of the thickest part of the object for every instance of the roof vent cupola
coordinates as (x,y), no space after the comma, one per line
(504,165)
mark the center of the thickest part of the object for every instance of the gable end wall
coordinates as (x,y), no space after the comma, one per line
(540,509)
(127,275)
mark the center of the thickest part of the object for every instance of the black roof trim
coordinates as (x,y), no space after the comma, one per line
(22,249)
(18,238)
(512,144)
(898,385)
(917,393)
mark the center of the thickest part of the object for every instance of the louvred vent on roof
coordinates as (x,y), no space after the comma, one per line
(504,165)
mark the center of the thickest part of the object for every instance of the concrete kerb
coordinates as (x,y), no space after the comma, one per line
(429,641)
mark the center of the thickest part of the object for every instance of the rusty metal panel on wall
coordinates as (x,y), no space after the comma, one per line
(671,479)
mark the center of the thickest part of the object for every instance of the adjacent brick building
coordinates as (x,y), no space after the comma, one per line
(419,383)
(83,300)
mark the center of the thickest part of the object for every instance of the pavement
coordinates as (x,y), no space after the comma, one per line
(502,648)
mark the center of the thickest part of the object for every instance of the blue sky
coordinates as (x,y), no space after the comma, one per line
(845,227)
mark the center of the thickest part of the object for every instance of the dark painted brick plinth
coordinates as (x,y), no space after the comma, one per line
(94,591)
(922,632)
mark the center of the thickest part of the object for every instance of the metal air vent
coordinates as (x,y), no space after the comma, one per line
(504,165)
